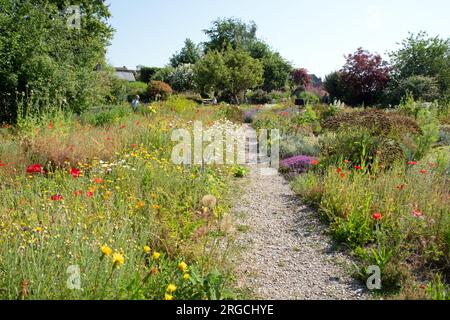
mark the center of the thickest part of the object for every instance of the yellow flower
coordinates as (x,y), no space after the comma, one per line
(186,277)
(183,267)
(156,207)
(147,249)
(156,255)
(171,288)
(118,259)
(106,250)
(168,297)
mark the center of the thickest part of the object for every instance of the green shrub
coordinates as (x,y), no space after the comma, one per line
(136,89)
(309,97)
(361,147)
(378,121)
(106,116)
(420,88)
(259,96)
(158,90)
(299,144)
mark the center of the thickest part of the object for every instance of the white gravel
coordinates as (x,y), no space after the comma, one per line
(285,253)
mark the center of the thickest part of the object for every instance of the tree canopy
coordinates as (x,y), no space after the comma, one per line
(41,54)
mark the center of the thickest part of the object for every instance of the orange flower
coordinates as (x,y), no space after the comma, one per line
(314,162)
(98,180)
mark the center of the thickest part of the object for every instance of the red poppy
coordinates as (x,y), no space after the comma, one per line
(400,187)
(134,145)
(377,216)
(339,170)
(412,163)
(314,162)
(35,168)
(78,193)
(2,164)
(50,126)
(347,161)
(423,171)
(431,165)
(98,180)
(358,167)
(342,175)
(74,172)
(89,194)
(57,197)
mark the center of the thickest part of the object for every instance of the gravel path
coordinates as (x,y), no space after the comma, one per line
(285,253)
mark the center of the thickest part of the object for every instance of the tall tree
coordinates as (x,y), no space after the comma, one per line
(190,54)
(40,53)
(422,55)
(276,72)
(230,72)
(230,32)
(364,77)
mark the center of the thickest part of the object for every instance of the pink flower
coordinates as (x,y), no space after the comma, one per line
(416,213)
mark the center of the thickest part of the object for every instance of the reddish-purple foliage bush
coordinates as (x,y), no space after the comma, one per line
(297,164)
(301,77)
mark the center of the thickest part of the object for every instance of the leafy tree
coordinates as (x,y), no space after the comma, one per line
(230,72)
(210,73)
(276,72)
(147,73)
(190,54)
(164,74)
(243,73)
(334,86)
(364,77)
(421,55)
(230,32)
(41,55)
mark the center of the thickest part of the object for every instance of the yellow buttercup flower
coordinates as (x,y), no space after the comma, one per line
(156,255)
(156,207)
(186,277)
(106,250)
(183,267)
(118,259)
(147,249)
(168,297)
(171,288)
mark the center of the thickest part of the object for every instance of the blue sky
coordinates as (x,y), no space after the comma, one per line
(313,34)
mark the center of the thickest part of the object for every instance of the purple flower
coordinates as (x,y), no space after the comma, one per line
(298,164)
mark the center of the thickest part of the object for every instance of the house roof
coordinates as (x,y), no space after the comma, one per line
(125,74)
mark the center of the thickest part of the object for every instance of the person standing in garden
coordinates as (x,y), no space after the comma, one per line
(135,103)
